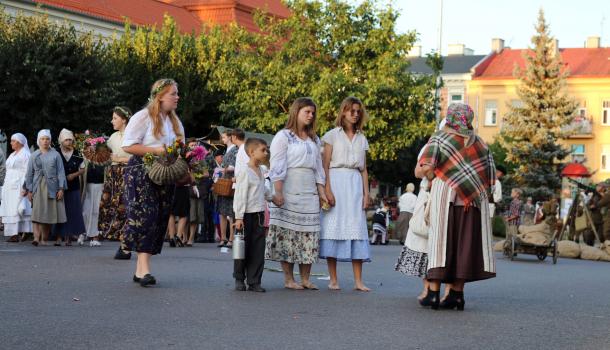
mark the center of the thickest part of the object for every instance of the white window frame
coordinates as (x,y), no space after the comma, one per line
(604,164)
(491,113)
(605,116)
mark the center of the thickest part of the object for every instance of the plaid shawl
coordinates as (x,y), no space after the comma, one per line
(469,170)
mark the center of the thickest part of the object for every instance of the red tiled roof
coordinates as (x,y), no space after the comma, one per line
(140,12)
(189,14)
(582,62)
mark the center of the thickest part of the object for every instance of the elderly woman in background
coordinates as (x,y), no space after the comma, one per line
(462,172)
(74,168)
(15,209)
(406,205)
(45,182)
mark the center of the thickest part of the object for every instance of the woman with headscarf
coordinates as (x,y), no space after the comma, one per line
(461,168)
(74,168)
(148,204)
(45,182)
(15,209)
(112,220)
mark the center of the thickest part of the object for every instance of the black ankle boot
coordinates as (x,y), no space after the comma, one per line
(431,299)
(454,300)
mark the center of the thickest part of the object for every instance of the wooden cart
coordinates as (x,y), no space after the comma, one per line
(518,246)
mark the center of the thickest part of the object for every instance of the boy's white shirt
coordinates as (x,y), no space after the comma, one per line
(251,193)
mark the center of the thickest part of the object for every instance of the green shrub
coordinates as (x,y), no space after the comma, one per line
(498,226)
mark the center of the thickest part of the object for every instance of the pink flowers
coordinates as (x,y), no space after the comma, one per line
(198,153)
(95,141)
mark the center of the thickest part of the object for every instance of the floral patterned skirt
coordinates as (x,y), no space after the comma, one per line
(412,263)
(148,207)
(290,246)
(112,219)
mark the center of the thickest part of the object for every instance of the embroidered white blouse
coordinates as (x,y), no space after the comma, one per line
(250,193)
(346,153)
(290,151)
(139,130)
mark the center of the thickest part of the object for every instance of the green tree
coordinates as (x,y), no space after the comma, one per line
(534,130)
(53,77)
(330,50)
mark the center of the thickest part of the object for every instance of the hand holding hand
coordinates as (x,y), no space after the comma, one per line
(239,224)
(60,195)
(330,198)
(278,199)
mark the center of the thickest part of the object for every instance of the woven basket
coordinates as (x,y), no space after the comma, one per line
(98,156)
(168,174)
(223,187)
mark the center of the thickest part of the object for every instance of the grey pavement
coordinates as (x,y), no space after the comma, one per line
(80,298)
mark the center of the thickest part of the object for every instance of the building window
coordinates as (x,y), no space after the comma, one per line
(606,113)
(491,113)
(578,153)
(582,113)
(605,166)
(456,98)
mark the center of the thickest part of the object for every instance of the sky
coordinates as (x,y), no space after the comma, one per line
(475,22)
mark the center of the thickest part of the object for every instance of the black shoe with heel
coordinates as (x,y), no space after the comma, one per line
(455,300)
(147,280)
(137,279)
(431,299)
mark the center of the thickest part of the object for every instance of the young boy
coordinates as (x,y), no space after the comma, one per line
(381,221)
(513,216)
(249,207)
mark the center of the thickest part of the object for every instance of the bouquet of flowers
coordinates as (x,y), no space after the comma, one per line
(94,148)
(169,167)
(197,163)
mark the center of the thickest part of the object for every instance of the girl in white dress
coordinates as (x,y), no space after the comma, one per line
(15,209)
(344,235)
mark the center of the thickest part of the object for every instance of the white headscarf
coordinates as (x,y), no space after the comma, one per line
(19,137)
(65,134)
(43,133)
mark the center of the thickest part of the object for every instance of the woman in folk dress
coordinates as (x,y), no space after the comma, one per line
(15,209)
(148,204)
(298,180)
(344,235)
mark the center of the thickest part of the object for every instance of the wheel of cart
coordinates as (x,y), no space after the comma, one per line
(554,247)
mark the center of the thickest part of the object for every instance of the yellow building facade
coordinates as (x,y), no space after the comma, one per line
(491,95)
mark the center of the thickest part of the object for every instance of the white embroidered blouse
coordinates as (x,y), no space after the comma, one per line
(139,130)
(290,151)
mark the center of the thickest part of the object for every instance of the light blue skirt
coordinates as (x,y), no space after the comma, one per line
(345,250)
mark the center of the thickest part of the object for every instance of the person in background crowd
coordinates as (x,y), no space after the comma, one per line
(381,222)
(224,204)
(212,207)
(298,180)
(178,232)
(249,205)
(344,233)
(242,158)
(513,216)
(74,168)
(406,204)
(529,211)
(596,212)
(15,209)
(112,220)
(148,204)
(604,205)
(198,195)
(2,170)
(93,185)
(497,190)
(45,182)
(460,235)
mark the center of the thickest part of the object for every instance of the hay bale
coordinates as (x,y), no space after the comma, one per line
(568,249)
(541,227)
(606,247)
(592,253)
(499,246)
(539,238)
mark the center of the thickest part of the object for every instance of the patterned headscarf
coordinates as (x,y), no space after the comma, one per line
(460,117)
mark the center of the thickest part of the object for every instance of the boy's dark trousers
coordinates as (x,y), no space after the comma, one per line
(254,236)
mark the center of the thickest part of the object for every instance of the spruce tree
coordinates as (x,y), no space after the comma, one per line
(535,128)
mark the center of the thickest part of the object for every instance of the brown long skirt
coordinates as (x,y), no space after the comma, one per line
(464,248)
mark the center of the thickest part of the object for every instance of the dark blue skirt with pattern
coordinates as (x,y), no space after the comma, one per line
(148,207)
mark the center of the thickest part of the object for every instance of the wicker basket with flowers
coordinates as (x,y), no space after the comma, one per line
(94,148)
(168,168)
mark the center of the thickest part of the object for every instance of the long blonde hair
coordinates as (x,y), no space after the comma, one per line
(346,105)
(157,91)
(293,114)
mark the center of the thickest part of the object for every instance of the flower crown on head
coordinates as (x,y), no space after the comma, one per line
(124,111)
(161,86)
